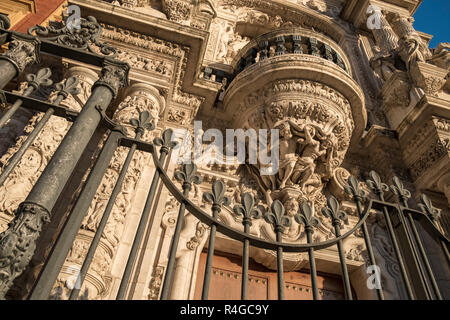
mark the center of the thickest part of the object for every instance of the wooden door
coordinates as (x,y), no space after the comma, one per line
(226,282)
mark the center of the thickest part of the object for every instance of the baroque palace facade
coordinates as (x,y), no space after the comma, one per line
(347,99)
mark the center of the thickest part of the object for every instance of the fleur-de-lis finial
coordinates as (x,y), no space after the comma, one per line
(217,196)
(143,123)
(277,217)
(374,183)
(332,211)
(306,217)
(165,141)
(399,190)
(354,189)
(188,175)
(68,86)
(247,209)
(41,78)
(427,207)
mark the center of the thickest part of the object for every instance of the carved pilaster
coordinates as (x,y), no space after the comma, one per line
(140,97)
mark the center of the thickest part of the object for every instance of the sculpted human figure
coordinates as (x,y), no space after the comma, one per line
(288,153)
(305,165)
(409,51)
(383,64)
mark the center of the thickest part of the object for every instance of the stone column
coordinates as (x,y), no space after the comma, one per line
(18,242)
(22,51)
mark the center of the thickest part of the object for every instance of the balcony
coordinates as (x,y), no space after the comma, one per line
(289,56)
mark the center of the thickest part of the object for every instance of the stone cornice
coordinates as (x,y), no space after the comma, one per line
(135,21)
(354,11)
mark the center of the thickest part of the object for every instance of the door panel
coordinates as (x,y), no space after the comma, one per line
(226,280)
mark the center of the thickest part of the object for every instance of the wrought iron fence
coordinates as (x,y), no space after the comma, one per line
(18,242)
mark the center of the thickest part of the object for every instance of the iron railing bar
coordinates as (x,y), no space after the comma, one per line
(445,249)
(424,256)
(240,236)
(16,105)
(398,254)
(312,265)
(411,243)
(42,106)
(111,202)
(344,270)
(57,256)
(173,248)
(245,262)
(140,145)
(209,258)
(426,223)
(142,222)
(15,159)
(280,267)
(368,244)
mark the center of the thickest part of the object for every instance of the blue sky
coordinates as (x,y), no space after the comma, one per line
(433,17)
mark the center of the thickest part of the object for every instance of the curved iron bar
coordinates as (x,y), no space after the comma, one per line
(237,235)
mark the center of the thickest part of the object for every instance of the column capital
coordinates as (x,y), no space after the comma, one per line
(114,75)
(23,50)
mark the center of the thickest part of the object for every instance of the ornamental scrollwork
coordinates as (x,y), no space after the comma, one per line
(87,37)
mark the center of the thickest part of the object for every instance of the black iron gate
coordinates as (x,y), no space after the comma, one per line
(18,242)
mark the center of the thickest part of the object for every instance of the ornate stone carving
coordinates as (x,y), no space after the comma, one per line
(428,77)
(314,136)
(438,149)
(155,283)
(179,116)
(139,98)
(200,231)
(140,62)
(177,10)
(441,56)
(396,91)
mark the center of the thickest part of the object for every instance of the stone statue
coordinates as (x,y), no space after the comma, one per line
(409,51)
(383,64)
(288,153)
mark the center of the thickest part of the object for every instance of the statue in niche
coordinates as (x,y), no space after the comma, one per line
(226,34)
